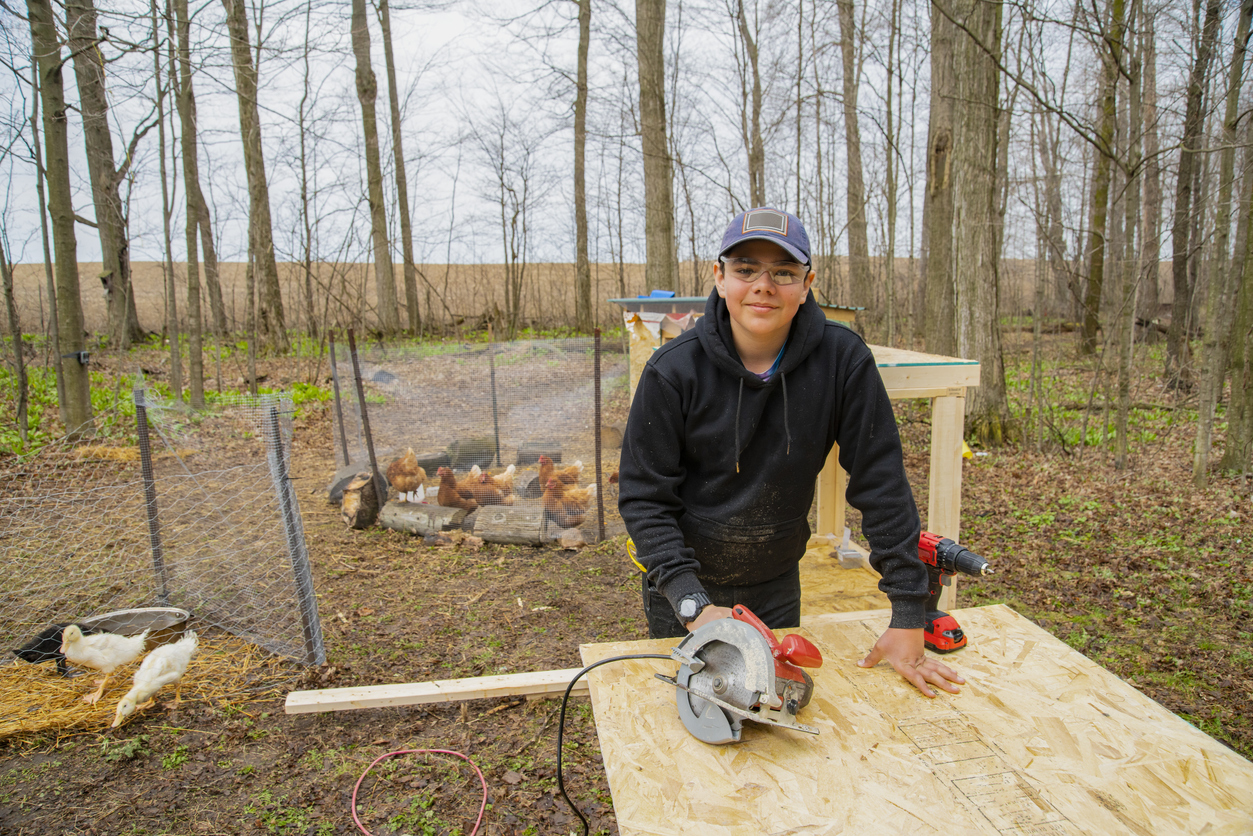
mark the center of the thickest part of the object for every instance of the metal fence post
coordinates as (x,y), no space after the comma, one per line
(297,550)
(339,409)
(380,488)
(600,494)
(491,362)
(150,498)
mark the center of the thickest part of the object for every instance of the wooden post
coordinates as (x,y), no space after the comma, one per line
(944,497)
(832,483)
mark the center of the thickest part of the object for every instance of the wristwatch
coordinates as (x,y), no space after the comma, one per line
(690,606)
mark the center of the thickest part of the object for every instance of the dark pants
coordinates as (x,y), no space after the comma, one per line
(776,602)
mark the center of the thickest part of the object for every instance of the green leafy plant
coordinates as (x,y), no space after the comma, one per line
(175,759)
(125,750)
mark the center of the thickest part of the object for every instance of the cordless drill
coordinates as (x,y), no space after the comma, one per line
(944,558)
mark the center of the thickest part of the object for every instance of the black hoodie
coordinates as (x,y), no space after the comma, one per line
(718,466)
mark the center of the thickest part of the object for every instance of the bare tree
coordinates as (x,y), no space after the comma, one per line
(1151,220)
(367,92)
(15,331)
(650,26)
(54,336)
(402,180)
(583,311)
(77,416)
(1181,225)
(939,330)
(270,320)
(84,44)
(976,244)
(1221,298)
(750,101)
(858,244)
(167,211)
(186,102)
(1101,179)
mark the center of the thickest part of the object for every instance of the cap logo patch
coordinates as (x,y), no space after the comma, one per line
(765,220)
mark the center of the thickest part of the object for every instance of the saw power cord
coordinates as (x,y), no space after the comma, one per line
(381,758)
(561,722)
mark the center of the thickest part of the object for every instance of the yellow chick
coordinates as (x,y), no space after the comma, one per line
(161,667)
(105,652)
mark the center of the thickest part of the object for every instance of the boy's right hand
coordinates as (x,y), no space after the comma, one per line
(708,614)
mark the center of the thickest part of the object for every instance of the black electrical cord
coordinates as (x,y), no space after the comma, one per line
(561,722)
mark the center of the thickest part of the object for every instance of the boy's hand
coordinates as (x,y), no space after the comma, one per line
(708,614)
(905,651)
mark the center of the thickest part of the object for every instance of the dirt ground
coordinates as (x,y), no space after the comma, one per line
(1135,569)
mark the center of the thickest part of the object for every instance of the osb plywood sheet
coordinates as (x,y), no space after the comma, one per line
(827,588)
(1041,741)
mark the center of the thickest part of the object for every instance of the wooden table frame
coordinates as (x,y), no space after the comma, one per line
(912,374)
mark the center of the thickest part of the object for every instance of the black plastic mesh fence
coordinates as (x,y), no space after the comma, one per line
(200,516)
(492,406)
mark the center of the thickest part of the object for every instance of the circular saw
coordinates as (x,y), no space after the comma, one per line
(734,669)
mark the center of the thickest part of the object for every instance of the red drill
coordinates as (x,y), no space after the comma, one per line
(944,558)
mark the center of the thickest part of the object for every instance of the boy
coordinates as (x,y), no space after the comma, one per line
(730,425)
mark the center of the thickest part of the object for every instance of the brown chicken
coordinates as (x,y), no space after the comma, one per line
(565,506)
(503,482)
(407,477)
(451,494)
(567,475)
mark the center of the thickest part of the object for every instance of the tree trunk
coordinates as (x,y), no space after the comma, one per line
(750,110)
(1181,225)
(1151,224)
(939,331)
(47,49)
(858,244)
(402,179)
(54,336)
(890,165)
(582,265)
(19,361)
(1131,271)
(270,320)
(975,244)
(191,174)
(1221,297)
(167,211)
(650,27)
(367,91)
(1239,452)
(1100,184)
(115,275)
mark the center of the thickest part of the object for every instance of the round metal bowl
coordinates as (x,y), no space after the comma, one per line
(167,624)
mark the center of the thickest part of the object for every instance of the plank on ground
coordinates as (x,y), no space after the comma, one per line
(1041,741)
(544,683)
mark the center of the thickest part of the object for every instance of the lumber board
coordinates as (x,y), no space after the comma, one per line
(541,683)
(1041,741)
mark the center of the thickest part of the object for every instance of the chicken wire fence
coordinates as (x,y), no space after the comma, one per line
(492,405)
(200,516)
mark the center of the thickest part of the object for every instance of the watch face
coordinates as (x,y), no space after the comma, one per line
(687,608)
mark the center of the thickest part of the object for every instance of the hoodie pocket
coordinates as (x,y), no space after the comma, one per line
(744,555)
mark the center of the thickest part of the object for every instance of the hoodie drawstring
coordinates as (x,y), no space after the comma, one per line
(739,399)
(786,429)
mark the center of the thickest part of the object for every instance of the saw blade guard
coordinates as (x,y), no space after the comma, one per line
(731,662)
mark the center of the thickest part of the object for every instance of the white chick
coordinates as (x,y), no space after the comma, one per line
(106,652)
(161,667)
